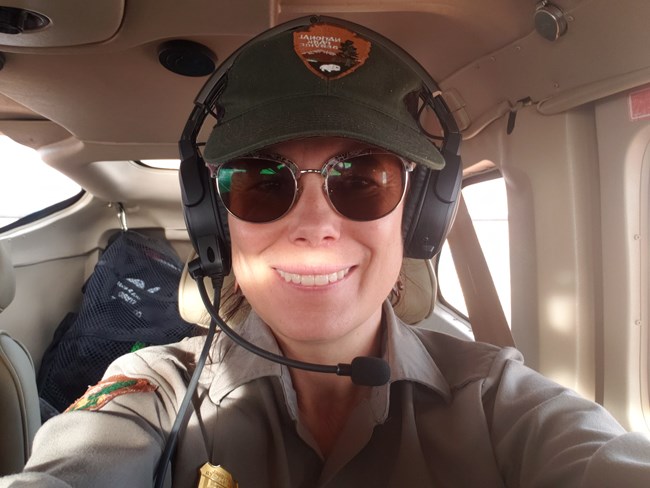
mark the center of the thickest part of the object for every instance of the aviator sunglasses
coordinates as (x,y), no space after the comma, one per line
(361,185)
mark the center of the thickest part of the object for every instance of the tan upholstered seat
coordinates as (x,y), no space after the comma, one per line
(413,303)
(19,406)
(7,279)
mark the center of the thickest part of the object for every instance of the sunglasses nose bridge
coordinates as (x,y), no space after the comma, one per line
(316,171)
(322,172)
(301,172)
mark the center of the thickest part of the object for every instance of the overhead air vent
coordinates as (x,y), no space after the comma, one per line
(550,21)
(20,21)
(187,58)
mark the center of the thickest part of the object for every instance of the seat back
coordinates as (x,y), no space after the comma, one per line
(20,415)
(7,279)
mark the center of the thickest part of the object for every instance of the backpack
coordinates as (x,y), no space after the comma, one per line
(130,301)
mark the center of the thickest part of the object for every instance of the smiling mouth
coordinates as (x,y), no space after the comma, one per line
(313,280)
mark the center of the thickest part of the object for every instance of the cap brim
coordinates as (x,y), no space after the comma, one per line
(318,115)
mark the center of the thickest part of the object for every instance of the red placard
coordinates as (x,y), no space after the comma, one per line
(640,104)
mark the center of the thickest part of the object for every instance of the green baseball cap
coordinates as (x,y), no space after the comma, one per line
(320,79)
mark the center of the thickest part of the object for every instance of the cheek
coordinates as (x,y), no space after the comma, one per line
(396,241)
(238,233)
(385,240)
(248,241)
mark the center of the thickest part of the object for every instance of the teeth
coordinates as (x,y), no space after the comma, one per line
(313,280)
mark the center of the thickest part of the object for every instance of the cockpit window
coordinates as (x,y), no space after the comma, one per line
(27,184)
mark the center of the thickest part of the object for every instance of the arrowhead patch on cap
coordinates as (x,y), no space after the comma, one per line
(329,51)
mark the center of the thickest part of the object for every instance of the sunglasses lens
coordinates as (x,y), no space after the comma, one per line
(366,187)
(256,190)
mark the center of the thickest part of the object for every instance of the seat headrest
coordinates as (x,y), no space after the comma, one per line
(413,302)
(419,290)
(7,278)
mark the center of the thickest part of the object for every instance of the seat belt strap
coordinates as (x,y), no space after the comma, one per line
(485,312)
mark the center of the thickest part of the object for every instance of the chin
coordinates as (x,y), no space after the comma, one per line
(313,328)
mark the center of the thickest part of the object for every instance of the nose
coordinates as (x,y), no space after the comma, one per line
(312,221)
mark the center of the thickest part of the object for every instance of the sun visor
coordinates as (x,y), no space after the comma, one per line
(33,133)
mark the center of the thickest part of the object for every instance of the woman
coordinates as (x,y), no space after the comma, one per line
(322,166)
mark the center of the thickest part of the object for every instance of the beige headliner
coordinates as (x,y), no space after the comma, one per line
(99,79)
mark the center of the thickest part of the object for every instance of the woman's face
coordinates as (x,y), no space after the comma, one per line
(279,265)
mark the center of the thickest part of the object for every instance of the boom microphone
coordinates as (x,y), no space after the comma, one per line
(364,370)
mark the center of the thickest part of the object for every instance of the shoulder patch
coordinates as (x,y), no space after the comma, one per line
(103,392)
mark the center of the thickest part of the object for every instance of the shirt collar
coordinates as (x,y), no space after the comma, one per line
(409,360)
(233,366)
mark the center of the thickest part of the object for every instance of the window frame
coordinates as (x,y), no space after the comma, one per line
(44,212)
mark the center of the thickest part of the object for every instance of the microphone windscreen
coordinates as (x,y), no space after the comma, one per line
(369,371)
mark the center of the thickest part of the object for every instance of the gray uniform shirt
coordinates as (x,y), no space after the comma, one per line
(455,413)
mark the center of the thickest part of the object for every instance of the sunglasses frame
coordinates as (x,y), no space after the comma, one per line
(324,171)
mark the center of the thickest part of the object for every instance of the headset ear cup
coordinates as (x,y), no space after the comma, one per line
(430,208)
(206,222)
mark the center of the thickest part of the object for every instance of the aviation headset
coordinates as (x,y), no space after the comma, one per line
(431,199)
